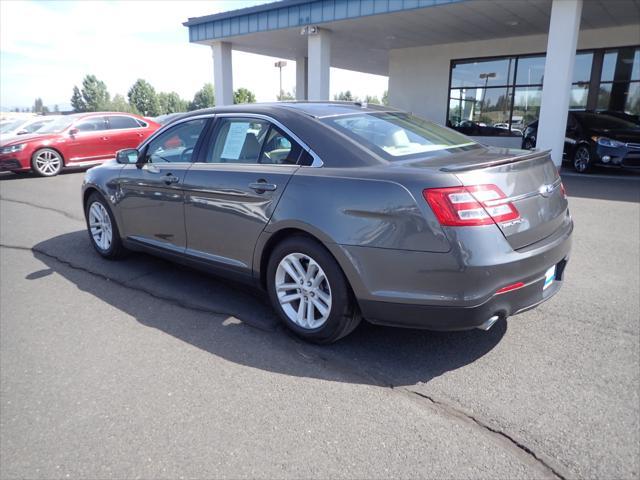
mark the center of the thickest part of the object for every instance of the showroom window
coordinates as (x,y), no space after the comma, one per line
(500,96)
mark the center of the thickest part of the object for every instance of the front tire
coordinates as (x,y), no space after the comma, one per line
(46,162)
(582,159)
(309,291)
(102,228)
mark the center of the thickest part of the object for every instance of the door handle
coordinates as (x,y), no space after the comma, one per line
(105,138)
(170,178)
(262,186)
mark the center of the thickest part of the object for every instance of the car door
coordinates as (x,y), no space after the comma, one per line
(124,132)
(151,202)
(88,140)
(234,186)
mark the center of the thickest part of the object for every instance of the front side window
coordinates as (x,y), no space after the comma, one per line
(121,122)
(94,124)
(176,144)
(399,136)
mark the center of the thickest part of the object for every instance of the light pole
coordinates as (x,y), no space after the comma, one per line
(279,64)
(485,77)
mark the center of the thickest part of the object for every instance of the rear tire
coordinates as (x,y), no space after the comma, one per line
(46,162)
(307,288)
(102,228)
(582,159)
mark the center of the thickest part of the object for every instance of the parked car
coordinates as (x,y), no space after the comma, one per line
(595,138)
(77,140)
(468,127)
(341,212)
(23,126)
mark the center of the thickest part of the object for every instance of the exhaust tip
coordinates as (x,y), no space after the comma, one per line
(487,324)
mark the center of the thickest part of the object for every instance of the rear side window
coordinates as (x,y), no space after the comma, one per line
(399,136)
(92,124)
(120,122)
(279,148)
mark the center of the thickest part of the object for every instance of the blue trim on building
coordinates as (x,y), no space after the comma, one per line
(294,13)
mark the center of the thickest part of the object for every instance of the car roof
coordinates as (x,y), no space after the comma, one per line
(310,109)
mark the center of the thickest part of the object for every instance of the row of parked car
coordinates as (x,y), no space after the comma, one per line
(45,145)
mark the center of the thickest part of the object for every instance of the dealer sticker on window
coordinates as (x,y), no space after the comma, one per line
(549,276)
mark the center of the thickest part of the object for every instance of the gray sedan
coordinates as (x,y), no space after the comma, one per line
(341,212)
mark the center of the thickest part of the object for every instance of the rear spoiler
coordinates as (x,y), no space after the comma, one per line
(500,161)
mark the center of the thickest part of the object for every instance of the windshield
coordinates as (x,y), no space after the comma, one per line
(399,136)
(604,122)
(7,127)
(57,125)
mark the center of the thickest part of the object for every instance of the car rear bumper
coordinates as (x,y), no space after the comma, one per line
(432,317)
(455,290)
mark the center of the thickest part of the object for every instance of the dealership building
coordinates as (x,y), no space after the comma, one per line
(501,63)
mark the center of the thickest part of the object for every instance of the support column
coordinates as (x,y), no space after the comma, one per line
(302,78)
(222,73)
(564,28)
(319,64)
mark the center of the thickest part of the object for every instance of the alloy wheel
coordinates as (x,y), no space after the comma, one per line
(581,159)
(48,162)
(303,291)
(100,226)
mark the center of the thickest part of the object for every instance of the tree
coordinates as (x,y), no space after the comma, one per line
(345,96)
(37,107)
(94,94)
(244,95)
(119,104)
(372,99)
(171,103)
(56,109)
(204,98)
(286,96)
(385,97)
(142,96)
(77,101)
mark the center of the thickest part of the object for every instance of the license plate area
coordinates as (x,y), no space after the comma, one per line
(549,277)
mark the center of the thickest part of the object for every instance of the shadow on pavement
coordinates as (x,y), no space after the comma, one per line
(602,188)
(380,355)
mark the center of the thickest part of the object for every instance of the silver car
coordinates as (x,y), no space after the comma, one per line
(341,212)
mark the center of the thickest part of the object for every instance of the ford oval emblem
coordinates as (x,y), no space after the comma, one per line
(546,190)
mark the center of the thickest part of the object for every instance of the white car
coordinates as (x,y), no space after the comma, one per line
(22,126)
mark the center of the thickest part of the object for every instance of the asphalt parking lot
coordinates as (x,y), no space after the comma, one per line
(142,369)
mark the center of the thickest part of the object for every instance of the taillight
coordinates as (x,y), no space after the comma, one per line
(470,205)
(509,288)
(563,190)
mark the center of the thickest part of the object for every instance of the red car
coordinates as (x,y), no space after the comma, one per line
(80,140)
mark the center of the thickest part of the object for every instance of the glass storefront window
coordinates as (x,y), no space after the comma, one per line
(632,104)
(487,73)
(579,94)
(582,67)
(526,106)
(530,70)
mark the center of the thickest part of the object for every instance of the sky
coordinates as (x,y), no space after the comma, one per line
(47,47)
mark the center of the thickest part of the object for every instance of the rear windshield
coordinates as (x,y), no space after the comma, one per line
(400,136)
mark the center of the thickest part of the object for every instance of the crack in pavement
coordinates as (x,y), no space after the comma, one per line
(136,287)
(299,348)
(43,207)
(516,443)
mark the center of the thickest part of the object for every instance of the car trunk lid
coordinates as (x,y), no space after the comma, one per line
(530,182)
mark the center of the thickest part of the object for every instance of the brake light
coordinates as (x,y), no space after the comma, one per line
(470,205)
(563,190)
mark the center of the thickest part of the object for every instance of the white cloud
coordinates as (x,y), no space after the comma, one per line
(47,47)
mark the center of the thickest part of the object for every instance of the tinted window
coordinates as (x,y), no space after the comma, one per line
(279,148)
(122,122)
(600,121)
(238,140)
(397,136)
(91,124)
(177,143)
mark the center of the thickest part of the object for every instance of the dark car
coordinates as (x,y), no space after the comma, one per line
(468,127)
(341,212)
(595,138)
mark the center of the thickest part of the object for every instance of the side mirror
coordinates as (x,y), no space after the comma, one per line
(73,131)
(127,156)
(22,132)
